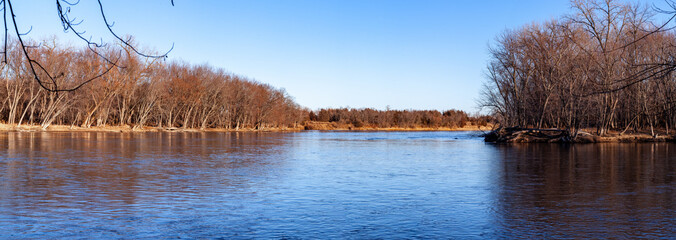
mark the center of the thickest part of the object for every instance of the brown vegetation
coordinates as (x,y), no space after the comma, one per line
(143,94)
(607,67)
(394,120)
(140,92)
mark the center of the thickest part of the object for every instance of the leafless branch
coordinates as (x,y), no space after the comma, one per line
(68,24)
(126,42)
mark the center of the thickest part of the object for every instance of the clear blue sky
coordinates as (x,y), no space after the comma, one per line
(412,54)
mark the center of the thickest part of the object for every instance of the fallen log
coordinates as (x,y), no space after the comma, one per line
(518,134)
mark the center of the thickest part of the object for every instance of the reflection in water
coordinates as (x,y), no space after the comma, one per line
(55,181)
(329,185)
(587,191)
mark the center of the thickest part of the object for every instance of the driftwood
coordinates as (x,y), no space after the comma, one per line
(549,135)
(518,134)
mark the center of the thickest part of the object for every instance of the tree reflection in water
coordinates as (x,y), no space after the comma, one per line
(587,190)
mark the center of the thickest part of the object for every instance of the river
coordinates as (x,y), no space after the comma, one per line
(330,185)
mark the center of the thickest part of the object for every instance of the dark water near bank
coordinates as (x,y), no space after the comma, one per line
(330,185)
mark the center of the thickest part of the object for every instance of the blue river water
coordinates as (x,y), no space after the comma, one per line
(330,185)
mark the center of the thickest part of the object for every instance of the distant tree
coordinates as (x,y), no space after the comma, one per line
(368,117)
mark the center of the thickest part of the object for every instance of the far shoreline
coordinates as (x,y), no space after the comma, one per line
(500,135)
(301,128)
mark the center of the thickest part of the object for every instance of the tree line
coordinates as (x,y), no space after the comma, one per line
(606,66)
(368,117)
(125,89)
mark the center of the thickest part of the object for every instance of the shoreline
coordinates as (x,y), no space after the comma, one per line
(334,126)
(499,135)
(128,129)
(66,128)
(527,135)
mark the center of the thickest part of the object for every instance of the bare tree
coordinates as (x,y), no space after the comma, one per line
(607,66)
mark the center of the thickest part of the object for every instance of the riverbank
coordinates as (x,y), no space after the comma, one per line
(323,126)
(334,126)
(67,128)
(527,135)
